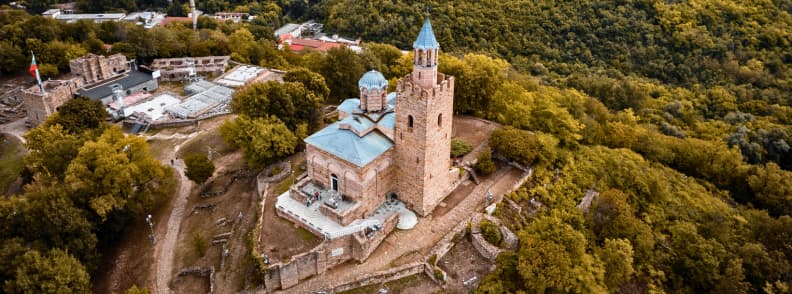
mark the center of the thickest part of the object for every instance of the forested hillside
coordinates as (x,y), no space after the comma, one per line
(676,112)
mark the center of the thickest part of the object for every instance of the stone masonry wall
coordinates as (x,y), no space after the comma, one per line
(176,69)
(330,253)
(94,68)
(40,106)
(423,150)
(367,185)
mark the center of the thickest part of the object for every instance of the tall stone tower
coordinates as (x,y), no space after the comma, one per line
(424,109)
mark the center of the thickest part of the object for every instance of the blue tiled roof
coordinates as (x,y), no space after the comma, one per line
(373,79)
(391,99)
(347,145)
(359,123)
(350,105)
(388,121)
(426,38)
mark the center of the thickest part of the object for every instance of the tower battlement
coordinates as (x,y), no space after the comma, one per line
(445,84)
(41,105)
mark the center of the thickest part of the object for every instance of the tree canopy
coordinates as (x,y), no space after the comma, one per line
(199,167)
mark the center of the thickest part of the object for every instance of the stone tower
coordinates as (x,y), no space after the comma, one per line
(424,109)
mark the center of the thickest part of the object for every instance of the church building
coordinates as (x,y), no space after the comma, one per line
(387,157)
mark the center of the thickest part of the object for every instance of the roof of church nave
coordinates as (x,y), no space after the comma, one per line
(373,80)
(347,145)
(343,138)
(426,38)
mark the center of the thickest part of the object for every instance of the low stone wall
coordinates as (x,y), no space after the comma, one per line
(176,122)
(487,250)
(381,277)
(285,172)
(283,275)
(198,271)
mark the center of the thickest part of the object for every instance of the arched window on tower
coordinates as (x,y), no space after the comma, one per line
(429,58)
(421,56)
(440,120)
(410,122)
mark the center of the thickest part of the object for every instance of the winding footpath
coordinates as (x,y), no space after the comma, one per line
(165,249)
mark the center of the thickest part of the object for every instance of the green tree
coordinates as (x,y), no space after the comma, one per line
(137,290)
(12,59)
(50,150)
(553,257)
(460,148)
(382,57)
(199,167)
(312,81)
(617,255)
(484,163)
(703,264)
(262,140)
(491,232)
(80,114)
(773,188)
(47,218)
(11,252)
(56,272)
(518,145)
(478,77)
(117,172)
(290,102)
(505,278)
(341,68)
(241,43)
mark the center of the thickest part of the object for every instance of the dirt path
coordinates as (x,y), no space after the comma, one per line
(16,128)
(402,247)
(165,247)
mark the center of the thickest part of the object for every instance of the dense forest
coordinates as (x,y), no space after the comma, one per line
(677,112)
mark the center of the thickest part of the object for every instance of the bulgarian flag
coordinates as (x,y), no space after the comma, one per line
(33,67)
(35,72)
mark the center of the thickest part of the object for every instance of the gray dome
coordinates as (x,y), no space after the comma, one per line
(373,80)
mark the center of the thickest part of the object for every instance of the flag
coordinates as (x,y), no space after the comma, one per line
(35,72)
(33,67)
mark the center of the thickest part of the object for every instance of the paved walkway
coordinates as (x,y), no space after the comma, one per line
(409,246)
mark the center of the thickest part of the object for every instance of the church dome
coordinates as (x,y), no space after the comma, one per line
(373,79)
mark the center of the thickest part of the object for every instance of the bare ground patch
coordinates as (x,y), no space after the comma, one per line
(415,284)
(208,218)
(464,263)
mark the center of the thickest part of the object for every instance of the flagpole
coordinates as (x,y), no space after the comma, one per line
(38,76)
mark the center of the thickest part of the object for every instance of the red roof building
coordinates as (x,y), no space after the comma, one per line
(297,44)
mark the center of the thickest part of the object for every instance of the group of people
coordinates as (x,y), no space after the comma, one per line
(312,198)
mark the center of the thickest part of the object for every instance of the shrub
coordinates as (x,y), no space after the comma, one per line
(491,232)
(518,145)
(199,167)
(439,274)
(460,148)
(275,171)
(485,165)
(199,244)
